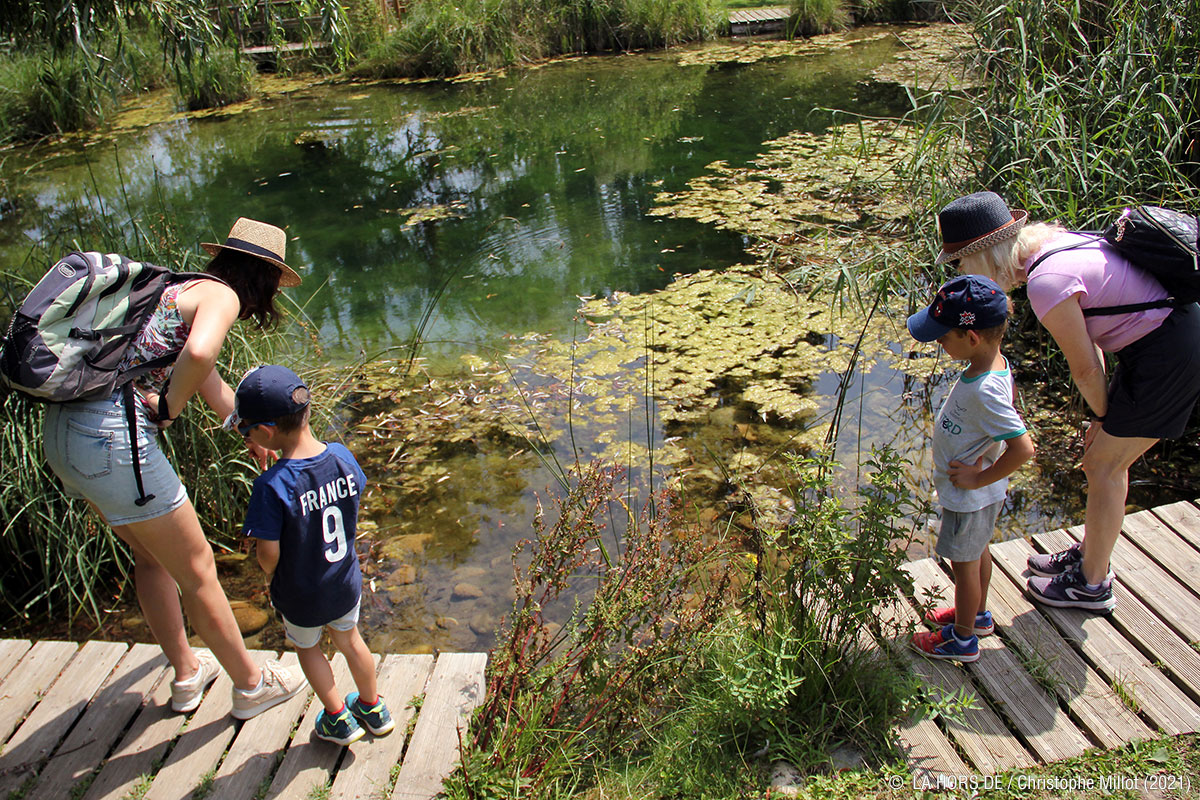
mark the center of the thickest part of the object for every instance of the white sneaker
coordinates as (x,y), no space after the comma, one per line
(186,695)
(277,685)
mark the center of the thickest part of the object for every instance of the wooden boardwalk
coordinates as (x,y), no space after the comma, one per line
(1052,682)
(93,722)
(750,21)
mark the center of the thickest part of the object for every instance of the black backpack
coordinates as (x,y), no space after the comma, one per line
(69,336)
(1160,241)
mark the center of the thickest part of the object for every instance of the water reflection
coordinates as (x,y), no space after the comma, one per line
(534,190)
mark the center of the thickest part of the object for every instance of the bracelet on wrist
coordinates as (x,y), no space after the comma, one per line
(1098,418)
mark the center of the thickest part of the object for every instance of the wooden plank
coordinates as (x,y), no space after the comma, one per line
(199,749)
(38,737)
(11,651)
(1146,629)
(981,735)
(252,756)
(1162,544)
(32,675)
(1089,697)
(1175,604)
(927,750)
(1184,519)
(1029,709)
(1110,654)
(118,700)
(455,689)
(366,771)
(310,761)
(133,761)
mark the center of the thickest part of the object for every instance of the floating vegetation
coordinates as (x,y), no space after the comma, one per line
(751,52)
(807,200)
(932,59)
(415,216)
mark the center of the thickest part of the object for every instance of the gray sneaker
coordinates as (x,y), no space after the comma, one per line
(278,684)
(1047,565)
(186,695)
(1069,590)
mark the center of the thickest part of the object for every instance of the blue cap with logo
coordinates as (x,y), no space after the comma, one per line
(266,394)
(968,302)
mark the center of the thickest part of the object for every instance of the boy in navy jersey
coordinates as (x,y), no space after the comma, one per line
(304,513)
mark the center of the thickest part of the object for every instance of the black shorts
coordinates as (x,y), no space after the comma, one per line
(1157,380)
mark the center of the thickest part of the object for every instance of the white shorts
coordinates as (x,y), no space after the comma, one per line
(305,638)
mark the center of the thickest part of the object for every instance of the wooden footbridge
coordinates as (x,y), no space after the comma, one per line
(1053,682)
(752,21)
(93,722)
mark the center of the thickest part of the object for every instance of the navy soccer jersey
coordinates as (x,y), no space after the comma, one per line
(310,505)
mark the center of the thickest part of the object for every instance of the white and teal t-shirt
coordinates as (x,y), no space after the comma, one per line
(976,420)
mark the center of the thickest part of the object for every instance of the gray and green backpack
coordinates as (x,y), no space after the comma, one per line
(68,338)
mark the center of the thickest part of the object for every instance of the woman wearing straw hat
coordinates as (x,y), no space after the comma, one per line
(1152,390)
(174,569)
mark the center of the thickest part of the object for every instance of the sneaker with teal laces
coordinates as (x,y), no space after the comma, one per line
(377,719)
(341,728)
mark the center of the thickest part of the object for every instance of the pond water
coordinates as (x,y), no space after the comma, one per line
(498,203)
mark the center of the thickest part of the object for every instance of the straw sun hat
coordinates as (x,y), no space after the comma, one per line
(976,222)
(258,239)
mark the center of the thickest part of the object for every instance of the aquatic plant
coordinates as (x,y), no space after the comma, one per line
(566,686)
(652,679)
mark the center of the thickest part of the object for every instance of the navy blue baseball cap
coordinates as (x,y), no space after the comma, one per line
(968,302)
(266,394)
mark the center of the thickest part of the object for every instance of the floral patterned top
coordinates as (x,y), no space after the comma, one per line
(164,332)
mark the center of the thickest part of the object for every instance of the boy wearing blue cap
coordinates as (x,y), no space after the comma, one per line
(304,514)
(979,440)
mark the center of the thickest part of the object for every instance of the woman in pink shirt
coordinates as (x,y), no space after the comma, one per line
(1152,390)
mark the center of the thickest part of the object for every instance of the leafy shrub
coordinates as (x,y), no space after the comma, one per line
(560,696)
(798,673)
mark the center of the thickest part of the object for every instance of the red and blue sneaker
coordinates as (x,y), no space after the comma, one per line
(941,617)
(941,644)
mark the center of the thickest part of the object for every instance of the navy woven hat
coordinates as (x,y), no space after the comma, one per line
(976,222)
(968,302)
(266,394)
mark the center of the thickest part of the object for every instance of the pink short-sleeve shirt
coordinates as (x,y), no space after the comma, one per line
(1102,277)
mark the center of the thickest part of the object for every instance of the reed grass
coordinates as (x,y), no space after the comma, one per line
(442,38)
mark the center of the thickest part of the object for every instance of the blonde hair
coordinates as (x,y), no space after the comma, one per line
(1004,262)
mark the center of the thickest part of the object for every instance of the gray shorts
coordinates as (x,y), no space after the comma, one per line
(966,534)
(304,638)
(87,446)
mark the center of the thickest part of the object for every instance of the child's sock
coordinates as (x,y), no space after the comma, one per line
(337,713)
(365,703)
(960,640)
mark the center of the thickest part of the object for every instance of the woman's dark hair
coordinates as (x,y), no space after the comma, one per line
(256,282)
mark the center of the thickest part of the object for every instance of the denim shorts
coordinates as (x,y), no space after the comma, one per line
(87,445)
(304,638)
(966,534)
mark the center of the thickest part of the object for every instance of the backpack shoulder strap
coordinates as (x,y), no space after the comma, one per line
(1101,311)
(1096,237)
